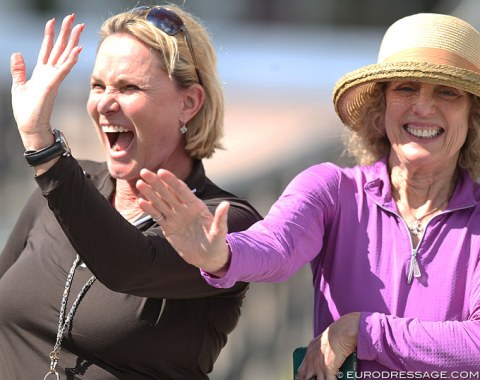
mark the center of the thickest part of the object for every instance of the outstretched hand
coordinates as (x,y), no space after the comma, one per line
(33,99)
(196,234)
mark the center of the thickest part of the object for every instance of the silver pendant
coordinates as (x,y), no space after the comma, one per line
(415,228)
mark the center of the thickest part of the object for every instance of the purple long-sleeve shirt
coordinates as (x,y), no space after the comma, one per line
(344,222)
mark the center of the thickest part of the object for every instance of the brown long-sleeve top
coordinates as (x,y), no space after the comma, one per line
(149,315)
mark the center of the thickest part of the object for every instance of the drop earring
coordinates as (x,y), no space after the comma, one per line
(183,128)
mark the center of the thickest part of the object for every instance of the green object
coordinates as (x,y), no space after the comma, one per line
(347,370)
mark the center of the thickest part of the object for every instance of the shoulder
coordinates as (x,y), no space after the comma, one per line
(321,177)
(329,182)
(241,214)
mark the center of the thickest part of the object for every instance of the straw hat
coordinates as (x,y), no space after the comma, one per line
(423,47)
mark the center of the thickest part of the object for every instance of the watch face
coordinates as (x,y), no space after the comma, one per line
(64,143)
(59,137)
(58,148)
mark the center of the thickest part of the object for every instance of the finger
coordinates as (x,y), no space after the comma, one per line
(159,192)
(177,187)
(17,70)
(219,225)
(304,373)
(47,43)
(330,376)
(66,57)
(150,202)
(62,39)
(147,207)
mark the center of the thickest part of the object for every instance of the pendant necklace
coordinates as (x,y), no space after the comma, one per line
(416,228)
(64,320)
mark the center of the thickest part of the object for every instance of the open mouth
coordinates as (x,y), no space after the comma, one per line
(119,138)
(423,133)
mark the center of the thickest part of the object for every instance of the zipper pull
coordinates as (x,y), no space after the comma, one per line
(414,270)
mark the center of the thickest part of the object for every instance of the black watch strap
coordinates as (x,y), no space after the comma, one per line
(58,148)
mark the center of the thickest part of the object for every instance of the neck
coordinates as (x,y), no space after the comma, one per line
(125,200)
(422,190)
(420,196)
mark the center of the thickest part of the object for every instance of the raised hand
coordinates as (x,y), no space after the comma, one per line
(327,352)
(196,234)
(33,99)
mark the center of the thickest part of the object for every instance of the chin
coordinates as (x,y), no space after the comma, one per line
(123,171)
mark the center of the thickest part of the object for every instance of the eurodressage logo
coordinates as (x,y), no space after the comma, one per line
(460,375)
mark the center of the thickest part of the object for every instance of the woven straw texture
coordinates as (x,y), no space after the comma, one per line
(424,47)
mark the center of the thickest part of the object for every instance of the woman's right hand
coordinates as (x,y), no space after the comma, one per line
(33,99)
(188,225)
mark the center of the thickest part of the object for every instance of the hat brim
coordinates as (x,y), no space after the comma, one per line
(353,90)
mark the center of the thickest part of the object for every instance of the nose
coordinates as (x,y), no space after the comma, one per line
(107,102)
(424,103)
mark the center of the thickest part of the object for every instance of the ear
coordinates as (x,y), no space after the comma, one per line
(193,99)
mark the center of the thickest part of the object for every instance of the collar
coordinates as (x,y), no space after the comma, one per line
(98,173)
(197,179)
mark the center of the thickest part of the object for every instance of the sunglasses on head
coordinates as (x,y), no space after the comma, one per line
(169,22)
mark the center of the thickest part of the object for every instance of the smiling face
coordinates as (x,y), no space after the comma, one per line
(137,109)
(426,124)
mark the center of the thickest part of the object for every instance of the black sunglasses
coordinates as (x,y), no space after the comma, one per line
(169,22)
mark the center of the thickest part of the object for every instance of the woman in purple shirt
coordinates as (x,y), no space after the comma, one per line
(394,242)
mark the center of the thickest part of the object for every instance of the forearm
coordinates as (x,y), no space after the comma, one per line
(410,344)
(124,258)
(269,254)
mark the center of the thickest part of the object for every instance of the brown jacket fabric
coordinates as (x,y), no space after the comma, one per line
(149,315)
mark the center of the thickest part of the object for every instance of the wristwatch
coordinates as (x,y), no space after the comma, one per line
(58,148)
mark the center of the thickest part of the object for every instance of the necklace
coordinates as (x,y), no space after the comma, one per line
(64,320)
(417,228)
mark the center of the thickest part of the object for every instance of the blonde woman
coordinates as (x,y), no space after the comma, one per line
(89,286)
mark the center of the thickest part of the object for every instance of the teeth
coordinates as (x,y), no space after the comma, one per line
(110,129)
(424,132)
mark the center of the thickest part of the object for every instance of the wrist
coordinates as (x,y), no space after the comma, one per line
(56,147)
(224,266)
(37,141)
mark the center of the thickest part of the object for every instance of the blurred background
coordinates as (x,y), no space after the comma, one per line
(279,61)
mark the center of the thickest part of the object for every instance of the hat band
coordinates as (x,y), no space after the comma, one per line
(433,55)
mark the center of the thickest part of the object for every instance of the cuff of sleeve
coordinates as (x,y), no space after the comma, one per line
(229,278)
(365,344)
(56,175)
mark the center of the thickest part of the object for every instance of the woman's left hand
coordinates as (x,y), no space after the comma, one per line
(33,99)
(193,231)
(327,352)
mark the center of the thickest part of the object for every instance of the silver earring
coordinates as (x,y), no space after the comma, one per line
(183,128)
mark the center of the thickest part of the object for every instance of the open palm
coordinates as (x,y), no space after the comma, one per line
(196,234)
(33,100)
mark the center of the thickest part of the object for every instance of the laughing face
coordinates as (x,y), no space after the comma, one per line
(137,109)
(426,124)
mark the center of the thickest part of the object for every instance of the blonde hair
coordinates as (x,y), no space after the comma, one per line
(370,143)
(205,129)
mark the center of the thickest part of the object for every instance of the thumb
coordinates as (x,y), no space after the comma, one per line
(17,69)
(220,219)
